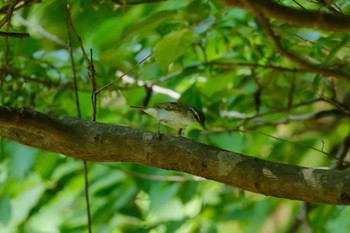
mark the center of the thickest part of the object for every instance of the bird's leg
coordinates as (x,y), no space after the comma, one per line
(180,131)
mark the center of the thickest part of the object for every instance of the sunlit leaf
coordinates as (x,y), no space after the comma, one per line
(172,46)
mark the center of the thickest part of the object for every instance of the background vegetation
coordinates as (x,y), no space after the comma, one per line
(222,59)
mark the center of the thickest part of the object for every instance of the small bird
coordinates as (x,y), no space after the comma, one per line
(175,115)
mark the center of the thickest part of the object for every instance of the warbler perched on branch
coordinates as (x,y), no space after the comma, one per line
(175,115)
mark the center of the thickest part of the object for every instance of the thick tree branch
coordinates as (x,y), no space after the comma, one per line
(100,142)
(293,16)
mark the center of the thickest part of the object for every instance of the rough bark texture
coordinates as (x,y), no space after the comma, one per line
(297,17)
(100,142)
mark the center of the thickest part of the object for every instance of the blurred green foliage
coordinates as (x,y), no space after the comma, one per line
(203,53)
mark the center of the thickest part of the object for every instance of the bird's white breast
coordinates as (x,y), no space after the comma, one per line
(174,119)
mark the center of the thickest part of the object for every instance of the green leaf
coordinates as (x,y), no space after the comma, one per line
(227,141)
(205,24)
(24,202)
(192,96)
(147,26)
(172,46)
(162,193)
(5,210)
(21,159)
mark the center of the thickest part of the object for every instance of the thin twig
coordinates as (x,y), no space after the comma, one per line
(232,65)
(227,65)
(23,3)
(92,76)
(237,129)
(301,62)
(336,104)
(257,93)
(342,152)
(325,113)
(74,71)
(301,6)
(301,219)
(86,177)
(121,76)
(290,118)
(335,10)
(14,34)
(288,141)
(86,183)
(149,91)
(291,94)
(290,15)
(71,25)
(7,18)
(93,99)
(279,139)
(245,117)
(124,3)
(9,12)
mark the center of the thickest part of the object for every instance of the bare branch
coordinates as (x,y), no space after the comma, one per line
(76,34)
(333,9)
(91,72)
(121,76)
(4,9)
(231,65)
(14,34)
(284,14)
(341,154)
(123,2)
(9,12)
(301,62)
(301,219)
